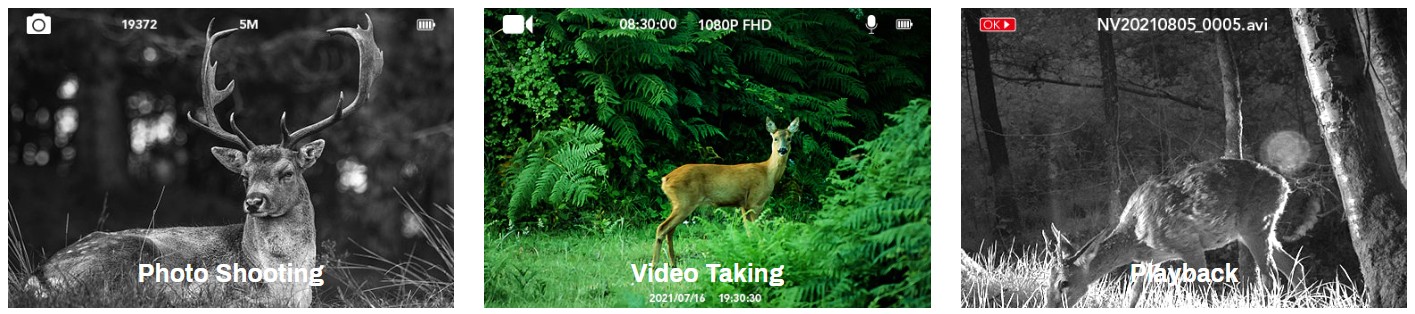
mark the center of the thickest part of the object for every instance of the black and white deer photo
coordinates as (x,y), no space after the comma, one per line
(231,158)
(1183,158)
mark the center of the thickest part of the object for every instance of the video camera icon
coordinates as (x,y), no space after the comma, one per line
(517,24)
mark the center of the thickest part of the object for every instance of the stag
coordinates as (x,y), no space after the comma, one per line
(278,231)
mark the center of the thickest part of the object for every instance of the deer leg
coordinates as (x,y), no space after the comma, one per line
(673,222)
(665,232)
(1247,266)
(1276,260)
(672,255)
(747,219)
(657,247)
(1296,274)
(1196,260)
(1136,289)
(1262,258)
(658,236)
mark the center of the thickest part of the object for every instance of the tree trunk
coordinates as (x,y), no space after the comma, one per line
(1054,184)
(999,166)
(103,123)
(1110,104)
(1232,96)
(1387,70)
(1233,124)
(1371,191)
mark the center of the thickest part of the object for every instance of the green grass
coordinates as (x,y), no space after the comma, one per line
(997,278)
(580,268)
(591,267)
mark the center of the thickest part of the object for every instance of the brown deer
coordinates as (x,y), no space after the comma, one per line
(278,231)
(1203,207)
(743,185)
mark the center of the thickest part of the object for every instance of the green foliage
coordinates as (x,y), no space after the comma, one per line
(688,95)
(875,226)
(869,247)
(560,169)
(851,232)
(528,81)
(506,280)
(774,242)
(627,72)
(571,268)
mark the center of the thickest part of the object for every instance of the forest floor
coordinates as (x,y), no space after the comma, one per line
(395,281)
(593,268)
(999,278)
(426,295)
(579,268)
(126,297)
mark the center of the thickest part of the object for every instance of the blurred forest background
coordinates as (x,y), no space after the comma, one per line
(584,117)
(99,138)
(1058,161)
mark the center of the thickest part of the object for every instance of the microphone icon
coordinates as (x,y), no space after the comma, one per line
(870,24)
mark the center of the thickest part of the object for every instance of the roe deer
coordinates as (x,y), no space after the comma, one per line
(279,229)
(744,185)
(1203,207)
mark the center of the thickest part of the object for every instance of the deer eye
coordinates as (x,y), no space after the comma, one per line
(287,175)
(1063,285)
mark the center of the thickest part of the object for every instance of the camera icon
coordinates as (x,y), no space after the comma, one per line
(38,24)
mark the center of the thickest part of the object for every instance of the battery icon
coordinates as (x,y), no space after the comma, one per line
(426,25)
(903,24)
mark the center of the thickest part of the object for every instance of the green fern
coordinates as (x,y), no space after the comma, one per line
(561,168)
(876,226)
(687,95)
(774,63)
(603,86)
(701,129)
(626,135)
(655,116)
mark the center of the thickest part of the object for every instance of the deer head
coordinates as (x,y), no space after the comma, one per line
(1070,275)
(781,138)
(272,173)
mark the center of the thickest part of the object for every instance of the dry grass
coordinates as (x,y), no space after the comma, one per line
(996,278)
(405,281)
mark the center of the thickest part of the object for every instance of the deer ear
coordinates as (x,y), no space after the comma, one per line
(310,152)
(795,125)
(770,126)
(232,158)
(1085,252)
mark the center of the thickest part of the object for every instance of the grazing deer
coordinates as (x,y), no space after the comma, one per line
(1204,207)
(744,185)
(278,231)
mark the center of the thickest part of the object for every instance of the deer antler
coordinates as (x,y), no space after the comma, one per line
(211,96)
(370,67)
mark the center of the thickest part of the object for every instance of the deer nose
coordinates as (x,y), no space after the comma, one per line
(783,150)
(254,202)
